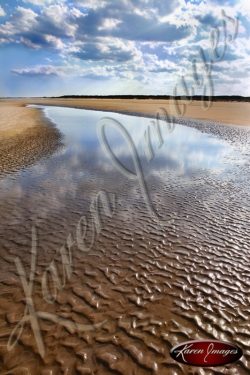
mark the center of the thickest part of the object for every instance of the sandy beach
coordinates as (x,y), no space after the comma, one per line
(25,136)
(232,113)
(141,286)
(124,187)
(236,113)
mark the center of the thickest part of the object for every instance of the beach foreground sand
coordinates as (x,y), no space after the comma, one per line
(91,282)
(25,136)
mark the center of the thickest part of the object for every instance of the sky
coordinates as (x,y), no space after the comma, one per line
(118,47)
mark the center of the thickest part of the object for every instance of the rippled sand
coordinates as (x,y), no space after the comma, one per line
(25,136)
(149,286)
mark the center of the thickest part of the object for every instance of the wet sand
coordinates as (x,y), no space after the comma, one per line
(150,286)
(25,136)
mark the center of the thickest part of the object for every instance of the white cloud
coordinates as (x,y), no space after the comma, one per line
(55,42)
(92,4)
(144,40)
(40,2)
(109,23)
(22,21)
(114,50)
(2,12)
(41,70)
(46,28)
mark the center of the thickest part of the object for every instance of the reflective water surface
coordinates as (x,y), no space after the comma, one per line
(155,222)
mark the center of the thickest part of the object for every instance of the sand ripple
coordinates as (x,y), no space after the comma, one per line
(153,286)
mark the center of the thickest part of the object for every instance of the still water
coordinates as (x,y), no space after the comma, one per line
(129,149)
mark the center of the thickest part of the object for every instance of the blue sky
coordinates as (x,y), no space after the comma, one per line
(89,47)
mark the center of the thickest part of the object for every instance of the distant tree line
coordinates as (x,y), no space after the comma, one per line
(229,98)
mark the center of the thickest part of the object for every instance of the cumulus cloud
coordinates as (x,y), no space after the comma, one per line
(113,51)
(42,70)
(91,4)
(42,29)
(137,6)
(2,12)
(132,20)
(20,22)
(109,23)
(133,39)
(40,2)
